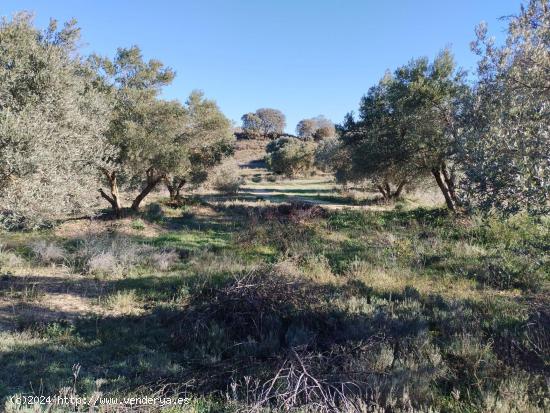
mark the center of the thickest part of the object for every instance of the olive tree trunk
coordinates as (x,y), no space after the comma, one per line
(175,188)
(443,186)
(388,194)
(114,197)
(151,184)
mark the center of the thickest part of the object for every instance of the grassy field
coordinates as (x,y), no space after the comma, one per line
(252,303)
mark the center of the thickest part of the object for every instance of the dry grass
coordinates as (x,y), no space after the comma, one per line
(48,252)
(123,303)
(9,260)
(164,260)
(110,255)
(399,279)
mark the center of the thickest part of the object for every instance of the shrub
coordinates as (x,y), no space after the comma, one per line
(48,252)
(109,255)
(9,259)
(512,271)
(290,156)
(227,178)
(164,260)
(103,263)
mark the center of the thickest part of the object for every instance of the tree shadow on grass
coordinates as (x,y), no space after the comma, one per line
(248,326)
(298,191)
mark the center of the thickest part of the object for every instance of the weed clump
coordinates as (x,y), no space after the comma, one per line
(48,252)
(164,260)
(109,254)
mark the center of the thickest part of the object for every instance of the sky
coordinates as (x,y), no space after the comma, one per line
(303,57)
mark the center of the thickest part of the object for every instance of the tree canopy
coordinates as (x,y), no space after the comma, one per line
(265,122)
(407,127)
(52,124)
(143,128)
(505,152)
(206,139)
(317,128)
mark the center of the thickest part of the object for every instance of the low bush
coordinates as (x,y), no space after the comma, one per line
(109,254)
(226,178)
(290,156)
(164,260)
(48,252)
(512,271)
(9,259)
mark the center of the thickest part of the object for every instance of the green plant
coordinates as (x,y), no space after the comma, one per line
(138,224)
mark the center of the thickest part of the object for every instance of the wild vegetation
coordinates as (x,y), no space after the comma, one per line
(397,262)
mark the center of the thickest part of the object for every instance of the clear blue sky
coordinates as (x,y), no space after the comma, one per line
(304,57)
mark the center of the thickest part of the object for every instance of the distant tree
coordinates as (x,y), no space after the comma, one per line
(290,156)
(407,127)
(143,128)
(306,128)
(207,139)
(264,123)
(325,131)
(251,125)
(315,128)
(52,121)
(506,147)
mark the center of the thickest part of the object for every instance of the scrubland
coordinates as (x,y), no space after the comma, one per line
(263,305)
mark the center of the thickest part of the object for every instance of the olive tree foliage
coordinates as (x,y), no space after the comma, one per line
(156,149)
(52,124)
(407,128)
(290,156)
(506,147)
(143,128)
(317,128)
(265,123)
(206,138)
(333,156)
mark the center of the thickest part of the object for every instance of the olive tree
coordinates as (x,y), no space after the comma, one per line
(143,128)
(155,148)
(332,156)
(206,139)
(264,123)
(52,124)
(407,127)
(506,147)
